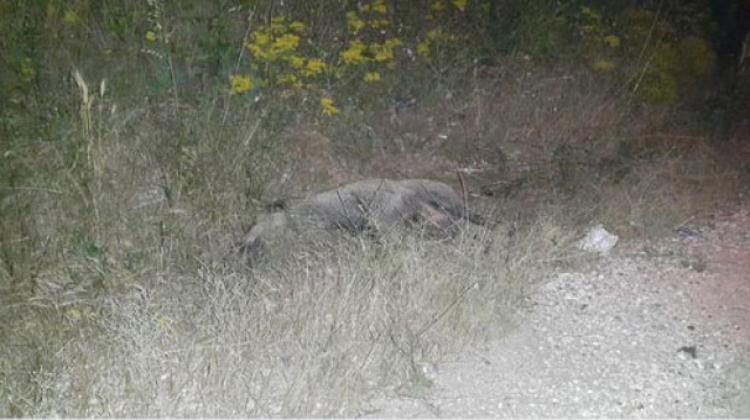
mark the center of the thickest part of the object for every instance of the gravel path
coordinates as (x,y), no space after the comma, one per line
(657,329)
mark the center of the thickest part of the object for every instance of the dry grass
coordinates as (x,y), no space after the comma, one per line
(684,179)
(121,295)
(125,186)
(317,336)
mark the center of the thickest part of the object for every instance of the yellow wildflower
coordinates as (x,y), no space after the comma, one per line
(460,4)
(382,54)
(354,23)
(613,41)
(285,43)
(328,107)
(297,62)
(603,66)
(379,23)
(261,39)
(278,25)
(590,13)
(28,70)
(240,84)
(71,18)
(297,26)
(290,80)
(150,37)
(258,52)
(423,49)
(380,7)
(314,67)
(51,10)
(372,77)
(393,43)
(355,53)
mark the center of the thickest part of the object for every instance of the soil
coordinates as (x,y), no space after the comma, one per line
(659,328)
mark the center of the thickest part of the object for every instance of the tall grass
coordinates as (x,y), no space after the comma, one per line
(129,173)
(316,336)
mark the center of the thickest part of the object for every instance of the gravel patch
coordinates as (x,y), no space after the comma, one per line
(660,329)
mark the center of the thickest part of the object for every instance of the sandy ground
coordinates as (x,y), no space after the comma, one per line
(659,328)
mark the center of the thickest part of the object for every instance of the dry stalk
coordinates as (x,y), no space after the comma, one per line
(87,101)
(464,193)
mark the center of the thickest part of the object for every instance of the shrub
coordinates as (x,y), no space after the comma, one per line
(661,59)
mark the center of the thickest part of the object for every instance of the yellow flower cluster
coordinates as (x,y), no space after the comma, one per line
(600,45)
(280,63)
(71,18)
(612,41)
(289,79)
(276,45)
(371,49)
(383,53)
(266,48)
(240,84)
(278,58)
(603,66)
(437,7)
(27,70)
(373,16)
(296,26)
(372,77)
(590,13)
(423,48)
(314,67)
(328,108)
(283,44)
(297,62)
(443,14)
(378,6)
(355,54)
(151,37)
(354,23)
(277,40)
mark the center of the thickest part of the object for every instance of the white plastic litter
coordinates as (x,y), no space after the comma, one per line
(598,240)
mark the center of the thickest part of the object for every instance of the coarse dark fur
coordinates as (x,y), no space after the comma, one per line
(375,206)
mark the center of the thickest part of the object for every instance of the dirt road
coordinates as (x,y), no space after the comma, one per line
(658,328)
